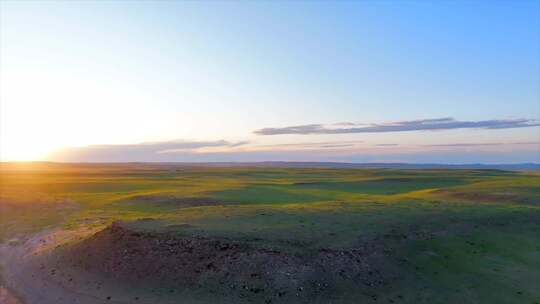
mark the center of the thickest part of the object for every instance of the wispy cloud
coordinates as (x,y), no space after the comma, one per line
(148,151)
(337,146)
(465,145)
(482,144)
(348,151)
(445,123)
(311,145)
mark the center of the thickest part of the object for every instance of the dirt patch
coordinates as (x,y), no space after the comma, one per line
(25,279)
(225,267)
(6,297)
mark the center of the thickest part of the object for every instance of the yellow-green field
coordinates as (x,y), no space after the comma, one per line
(448,236)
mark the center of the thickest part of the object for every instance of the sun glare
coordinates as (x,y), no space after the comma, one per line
(20,149)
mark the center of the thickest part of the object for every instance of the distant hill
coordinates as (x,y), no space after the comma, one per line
(271,164)
(520,166)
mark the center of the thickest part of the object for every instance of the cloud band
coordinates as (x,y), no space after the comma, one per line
(446,123)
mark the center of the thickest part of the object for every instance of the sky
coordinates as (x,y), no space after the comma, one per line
(363,81)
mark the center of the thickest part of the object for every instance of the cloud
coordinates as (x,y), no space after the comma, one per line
(446,123)
(337,146)
(148,151)
(527,143)
(482,144)
(227,151)
(345,124)
(311,145)
(239,143)
(465,145)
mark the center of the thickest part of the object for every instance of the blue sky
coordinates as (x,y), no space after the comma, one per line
(81,81)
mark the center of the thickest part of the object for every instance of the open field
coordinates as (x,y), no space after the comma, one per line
(143,233)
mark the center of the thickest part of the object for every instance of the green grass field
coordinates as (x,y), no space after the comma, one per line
(451,236)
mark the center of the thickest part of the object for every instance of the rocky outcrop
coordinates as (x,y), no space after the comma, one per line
(225,266)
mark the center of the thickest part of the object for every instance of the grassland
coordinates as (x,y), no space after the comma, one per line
(445,236)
